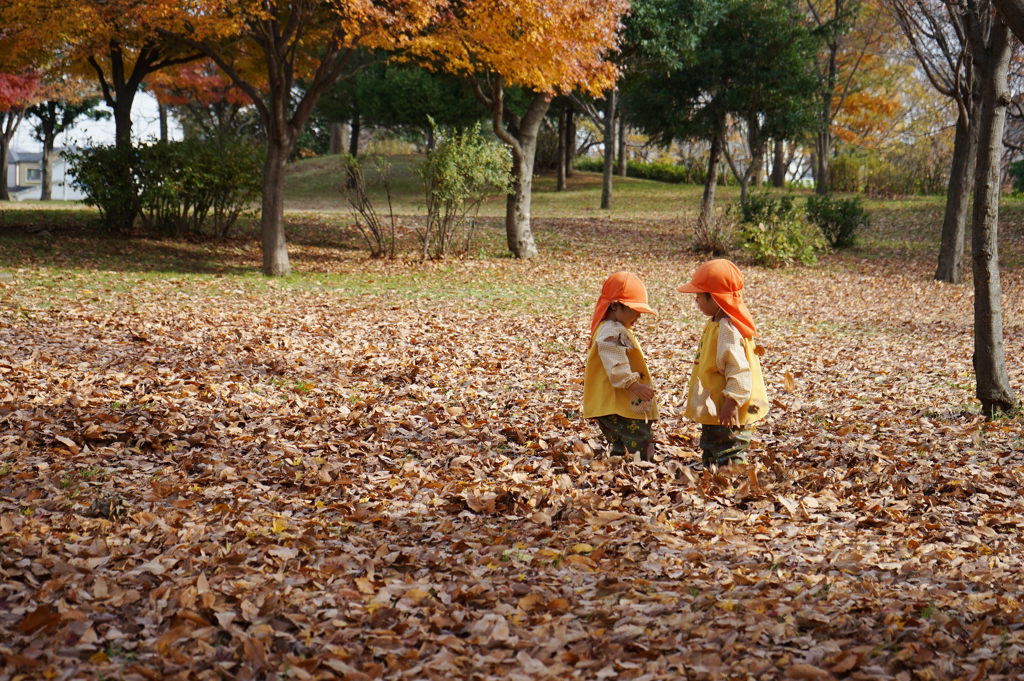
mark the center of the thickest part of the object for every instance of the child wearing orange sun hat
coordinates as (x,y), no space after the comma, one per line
(726,393)
(617,386)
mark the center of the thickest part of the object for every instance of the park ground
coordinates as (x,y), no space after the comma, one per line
(377,468)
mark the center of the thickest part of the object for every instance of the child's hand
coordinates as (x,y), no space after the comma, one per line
(642,390)
(730,413)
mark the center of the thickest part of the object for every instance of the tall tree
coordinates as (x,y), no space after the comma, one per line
(268,49)
(990,45)
(837,66)
(65,102)
(937,36)
(543,46)
(17,93)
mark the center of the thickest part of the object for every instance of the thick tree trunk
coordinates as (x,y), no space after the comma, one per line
(570,139)
(8,126)
(823,149)
(961,177)
(123,120)
(46,188)
(560,154)
(337,142)
(779,165)
(993,383)
(623,161)
(707,203)
(275,246)
(609,150)
(518,227)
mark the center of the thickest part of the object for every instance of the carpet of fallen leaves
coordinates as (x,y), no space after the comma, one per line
(212,477)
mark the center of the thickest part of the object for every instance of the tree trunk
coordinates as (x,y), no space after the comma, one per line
(518,228)
(46,188)
(609,150)
(8,126)
(353,142)
(570,139)
(961,176)
(823,149)
(561,154)
(779,165)
(707,203)
(275,247)
(163,122)
(623,161)
(337,142)
(993,383)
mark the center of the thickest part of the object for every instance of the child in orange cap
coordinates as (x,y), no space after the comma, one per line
(617,385)
(726,394)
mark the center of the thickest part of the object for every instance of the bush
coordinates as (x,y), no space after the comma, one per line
(714,236)
(177,188)
(782,242)
(691,172)
(105,174)
(457,177)
(774,232)
(844,173)
(764,207)
(1016,172)
(838,219)
(378,233)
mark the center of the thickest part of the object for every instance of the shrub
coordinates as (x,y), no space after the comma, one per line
(782,242)
(764,207)
(844,173)
(689,172)
(105,175)
(838,219)
(1016,172)
(457,177)
(714,236)
(378,233)
(176,187)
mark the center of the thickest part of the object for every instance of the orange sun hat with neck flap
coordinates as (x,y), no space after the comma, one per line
(722,279)
(621,287)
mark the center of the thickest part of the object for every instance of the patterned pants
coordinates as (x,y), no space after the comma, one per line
(624,434)
(723,445)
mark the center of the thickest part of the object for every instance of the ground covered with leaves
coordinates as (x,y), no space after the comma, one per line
(378,469)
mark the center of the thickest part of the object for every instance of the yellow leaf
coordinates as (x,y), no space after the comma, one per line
(582,548)
(99,658)
(279,526)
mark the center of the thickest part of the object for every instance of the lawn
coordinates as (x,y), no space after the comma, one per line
(377,468)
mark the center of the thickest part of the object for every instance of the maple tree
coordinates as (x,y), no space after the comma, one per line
(851,31)
(544,46)
(267,49)
(209,104)
(17,93)
(114,41)
(63,101)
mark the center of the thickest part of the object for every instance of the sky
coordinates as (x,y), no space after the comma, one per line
(145,125)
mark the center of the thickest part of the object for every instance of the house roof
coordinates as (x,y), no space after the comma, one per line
(14,156)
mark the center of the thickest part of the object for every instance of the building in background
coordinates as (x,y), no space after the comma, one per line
(25,177)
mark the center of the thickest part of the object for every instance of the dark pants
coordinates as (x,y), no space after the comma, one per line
(723,445)
(632,435)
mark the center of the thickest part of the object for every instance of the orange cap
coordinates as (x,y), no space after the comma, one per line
(722,279)
(621,287)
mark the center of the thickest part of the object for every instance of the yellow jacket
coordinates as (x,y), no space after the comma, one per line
(600,398)
(712,382)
